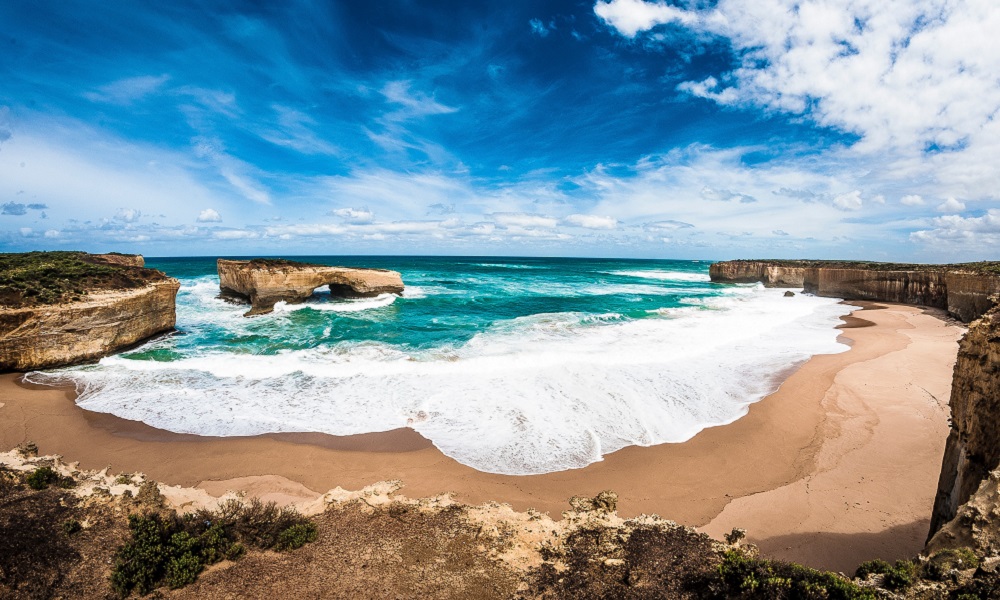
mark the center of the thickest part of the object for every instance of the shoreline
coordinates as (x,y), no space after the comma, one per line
(782,471)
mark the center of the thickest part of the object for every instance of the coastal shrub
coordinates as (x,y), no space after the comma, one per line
(71,526)
(42,478)
(940,565)
(172,550)
(296,536)
(34,278)
(896,576)
(741,575)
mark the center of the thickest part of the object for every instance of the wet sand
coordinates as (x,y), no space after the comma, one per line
(839,465)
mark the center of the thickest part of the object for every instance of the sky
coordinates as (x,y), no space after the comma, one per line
(689,129)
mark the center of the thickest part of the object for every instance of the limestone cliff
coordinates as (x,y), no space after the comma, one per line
(124,260)
(102,323)
(963,290)
(753,271)
(973,447)
(266,282)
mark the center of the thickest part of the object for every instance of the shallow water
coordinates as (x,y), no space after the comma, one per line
(513,366)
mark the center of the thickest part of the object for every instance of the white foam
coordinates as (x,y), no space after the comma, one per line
(664,275)
(530,395)
(342,306)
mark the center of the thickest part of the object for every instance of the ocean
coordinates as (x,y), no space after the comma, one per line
(508,365)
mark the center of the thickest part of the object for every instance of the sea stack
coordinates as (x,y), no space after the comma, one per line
(265,282)
(65,308)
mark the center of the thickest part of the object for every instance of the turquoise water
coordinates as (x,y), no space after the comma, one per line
(508,365)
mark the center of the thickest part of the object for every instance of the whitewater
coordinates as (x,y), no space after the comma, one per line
(513,366)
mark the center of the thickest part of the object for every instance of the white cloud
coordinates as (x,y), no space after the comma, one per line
(708,193)
(951,205)
(51,233)
(209,215)
(630,17)
(968,232)
(128,215)
(126,91)
(234,234)
(591,221)
(848,201)
(354,215)
(524,220)
(911,200)
(539,28)
(669,225)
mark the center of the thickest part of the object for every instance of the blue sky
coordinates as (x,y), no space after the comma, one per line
(698,129)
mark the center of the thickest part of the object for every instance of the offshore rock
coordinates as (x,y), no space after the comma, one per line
(265,282)
(100,324)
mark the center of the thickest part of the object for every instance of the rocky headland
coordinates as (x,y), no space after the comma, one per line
(265,282)
(64,308)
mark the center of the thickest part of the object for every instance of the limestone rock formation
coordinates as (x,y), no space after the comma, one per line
(973,447)
(124,260)
(102,323)
(265,282)
(963,290)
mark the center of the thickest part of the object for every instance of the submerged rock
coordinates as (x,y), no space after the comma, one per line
(265,282)
(789,294)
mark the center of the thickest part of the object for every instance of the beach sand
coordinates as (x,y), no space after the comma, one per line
(837,466)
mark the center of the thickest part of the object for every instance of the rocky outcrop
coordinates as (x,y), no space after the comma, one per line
(40,337)
(973,447)
(264,283)
(960,289)
(123,260)
(753,271)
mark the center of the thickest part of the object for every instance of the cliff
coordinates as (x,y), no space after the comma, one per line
(265,282)
(963,290)
(63,308)
(973,447)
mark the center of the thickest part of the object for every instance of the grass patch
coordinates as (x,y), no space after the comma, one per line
(898,576)
(43,477)
(942,563)
(42,278)
(173,550)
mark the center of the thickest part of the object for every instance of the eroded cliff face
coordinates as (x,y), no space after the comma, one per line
(753,271)
(973,447)
(964,294)
(124,260)
(265,283)
(925,288)
(39,337)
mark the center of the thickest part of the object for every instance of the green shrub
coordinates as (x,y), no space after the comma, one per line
(174,550)
(743,576)
(42,478)
(296,536)
(71,526)
(894,576)
(942,563)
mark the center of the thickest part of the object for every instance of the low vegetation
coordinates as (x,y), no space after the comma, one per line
(41,278)
(741,575)
(986,267)
(167,549)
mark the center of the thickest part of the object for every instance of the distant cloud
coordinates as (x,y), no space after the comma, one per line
(126,91)
(779,232)
(441,208)
(968,232)
(13,208)
(209,215)
(37,206)
(354,215)
(128,215)
(524,220)
(669,225)
(951,205)
(591,221)
(708,193)
(804,195)
(541,29)
(911,200)
(848,201)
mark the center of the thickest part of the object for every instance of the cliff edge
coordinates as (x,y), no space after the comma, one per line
(64,308)
(963,290)
(265,282)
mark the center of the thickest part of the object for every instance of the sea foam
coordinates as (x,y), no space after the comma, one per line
(531,394)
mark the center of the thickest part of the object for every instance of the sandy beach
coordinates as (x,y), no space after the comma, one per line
(837,466)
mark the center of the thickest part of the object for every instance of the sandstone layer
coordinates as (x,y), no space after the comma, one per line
(124,260)
(962,290)
(264,283)
(40,337)
(973,447)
